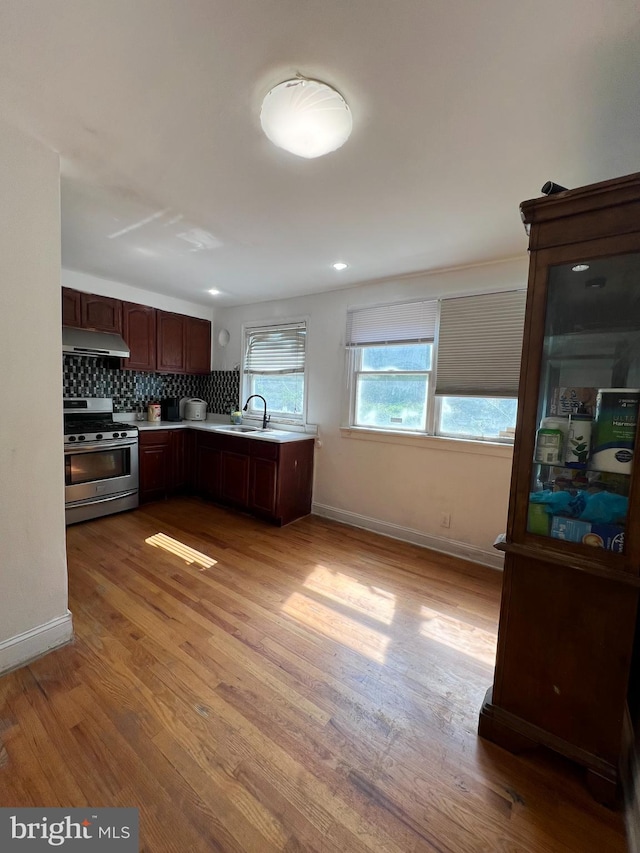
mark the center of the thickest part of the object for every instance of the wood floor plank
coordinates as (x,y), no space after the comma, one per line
(307,689)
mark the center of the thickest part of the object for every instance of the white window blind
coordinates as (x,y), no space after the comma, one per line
(276,349)
(480,344)
(407,322)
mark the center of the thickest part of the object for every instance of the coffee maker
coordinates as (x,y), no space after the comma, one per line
(170,408)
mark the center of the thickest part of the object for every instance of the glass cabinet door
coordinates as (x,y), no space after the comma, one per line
(588,403)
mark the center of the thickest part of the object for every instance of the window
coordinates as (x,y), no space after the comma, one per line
(490,418)
(391,351)
(466,386)
(392,386)
(274,368)
(479,347)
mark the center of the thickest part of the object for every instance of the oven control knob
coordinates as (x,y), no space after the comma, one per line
(116,434)
(99,436)
(72,438)
(81,438)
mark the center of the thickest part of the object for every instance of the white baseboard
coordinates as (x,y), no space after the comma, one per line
(23,648)
(407,534)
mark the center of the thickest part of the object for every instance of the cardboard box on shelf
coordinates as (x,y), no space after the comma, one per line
(607,536)
(566,400)
(538,519)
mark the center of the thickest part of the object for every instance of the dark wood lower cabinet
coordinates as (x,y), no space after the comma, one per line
(206,476)
(165,463)
(155,466)
(263,475)
(268,479)
(234,478)
(182,444)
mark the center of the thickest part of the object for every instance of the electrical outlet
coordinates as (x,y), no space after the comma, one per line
(445,519)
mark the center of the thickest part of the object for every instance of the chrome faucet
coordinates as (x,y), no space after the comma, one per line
(265,419)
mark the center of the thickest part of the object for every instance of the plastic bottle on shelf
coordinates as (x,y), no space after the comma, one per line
(560,422)
(550,441)
(578,443)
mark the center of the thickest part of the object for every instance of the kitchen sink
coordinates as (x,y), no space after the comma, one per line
(238,428)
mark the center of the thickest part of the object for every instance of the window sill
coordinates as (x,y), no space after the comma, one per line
(432,442)
(283,424)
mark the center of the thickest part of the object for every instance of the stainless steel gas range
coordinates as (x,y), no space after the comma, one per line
(100,460)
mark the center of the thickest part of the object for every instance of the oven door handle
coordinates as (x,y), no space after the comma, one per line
(101,445)
(100,499)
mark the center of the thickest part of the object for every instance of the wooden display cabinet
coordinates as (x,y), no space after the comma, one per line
(572,548)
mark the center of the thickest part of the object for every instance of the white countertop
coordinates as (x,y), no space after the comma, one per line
(276,435)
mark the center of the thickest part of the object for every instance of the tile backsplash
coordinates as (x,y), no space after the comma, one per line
(132,390)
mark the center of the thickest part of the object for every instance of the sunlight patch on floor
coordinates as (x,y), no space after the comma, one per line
(371,601)
(348,632)
(458,635)
(179,549)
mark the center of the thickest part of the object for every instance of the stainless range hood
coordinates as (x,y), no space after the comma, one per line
(86,342)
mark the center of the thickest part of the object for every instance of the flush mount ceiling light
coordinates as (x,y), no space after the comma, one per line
(306,117)
(340,265)
(214,292)
(580,267)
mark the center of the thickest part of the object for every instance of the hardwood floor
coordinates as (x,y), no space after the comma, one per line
(311,688)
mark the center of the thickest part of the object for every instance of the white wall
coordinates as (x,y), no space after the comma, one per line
(33,571)
(119,290)
(397,487)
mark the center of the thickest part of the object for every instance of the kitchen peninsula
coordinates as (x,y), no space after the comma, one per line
(268,473)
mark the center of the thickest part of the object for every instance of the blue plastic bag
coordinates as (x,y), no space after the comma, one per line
(605,508)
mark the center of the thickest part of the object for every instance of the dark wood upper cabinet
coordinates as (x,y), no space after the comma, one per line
(139,331)
(170,354)
(101,313)
(71,308)
(567,673)
(197,341)
(159,341)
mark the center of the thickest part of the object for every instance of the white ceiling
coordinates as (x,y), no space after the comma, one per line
(461,110)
